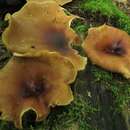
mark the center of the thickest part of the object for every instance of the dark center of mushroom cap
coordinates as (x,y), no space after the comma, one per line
(115,48)
(33,88)
(56,39)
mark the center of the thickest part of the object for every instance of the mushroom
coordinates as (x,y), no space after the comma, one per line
(109,47)
(42,26)
(60,2)
(35,83)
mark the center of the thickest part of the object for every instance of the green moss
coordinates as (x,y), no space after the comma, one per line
(103,6)
(75,113)
(100,74)
(80,27)
(119,87)
(110,10)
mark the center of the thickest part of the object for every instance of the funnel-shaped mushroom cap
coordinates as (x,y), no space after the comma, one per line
(60,2)
(35,83)
(109,48)
(42,26)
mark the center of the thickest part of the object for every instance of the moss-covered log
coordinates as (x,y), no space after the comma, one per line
(102,98)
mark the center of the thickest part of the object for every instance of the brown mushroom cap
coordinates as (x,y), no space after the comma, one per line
(109,48)
(35,83)
(60,2)
(42,26)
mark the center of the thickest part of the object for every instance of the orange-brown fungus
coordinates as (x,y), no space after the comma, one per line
(60,2)
(35,83)
(42,26)
(109,48)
